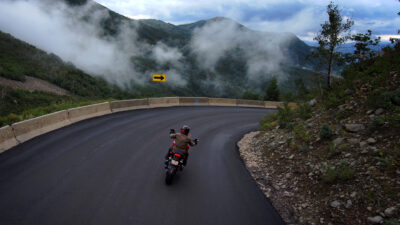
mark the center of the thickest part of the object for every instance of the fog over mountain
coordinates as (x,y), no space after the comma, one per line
(218,53)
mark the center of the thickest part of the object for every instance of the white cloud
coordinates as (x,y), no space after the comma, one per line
(264,53)
(165,54)
(59,29)
(139,17)
(307,19)
(387,37)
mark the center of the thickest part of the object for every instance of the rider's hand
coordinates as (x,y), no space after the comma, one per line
(196,141)
(172,131)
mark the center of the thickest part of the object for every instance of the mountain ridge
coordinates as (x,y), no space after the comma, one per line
(216,57)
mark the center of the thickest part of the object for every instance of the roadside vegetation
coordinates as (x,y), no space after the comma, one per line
(338,151)
(17,105)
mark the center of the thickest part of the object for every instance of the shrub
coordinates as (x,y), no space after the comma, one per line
(325,132)
(379,99)
(269,118)
(392,222)
(333,101)
(395,97)
(343,114)
(342,172)
(333,151)
(303,111)
(266,121)
(285,113)
(267,126)
(330,175)
(304,148)
(345,171)
(394,118)
(375,124)
(300,133)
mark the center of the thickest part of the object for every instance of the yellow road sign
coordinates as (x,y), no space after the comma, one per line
(159,77)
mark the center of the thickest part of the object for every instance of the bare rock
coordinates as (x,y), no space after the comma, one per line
(348,204)
(371,141)
(312,102)
(338,141)
(375,220)
(369,112)
(363,144)
(353,141)
(390,211)
(379,111)
(335,204)
(355,128)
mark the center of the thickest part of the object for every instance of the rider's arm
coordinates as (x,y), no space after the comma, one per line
(172,134)
(192,142)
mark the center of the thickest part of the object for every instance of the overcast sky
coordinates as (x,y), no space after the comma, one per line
(302,17)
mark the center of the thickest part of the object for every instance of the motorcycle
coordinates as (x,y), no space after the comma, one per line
(175,162)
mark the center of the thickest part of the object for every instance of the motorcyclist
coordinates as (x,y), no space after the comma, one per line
(182,141)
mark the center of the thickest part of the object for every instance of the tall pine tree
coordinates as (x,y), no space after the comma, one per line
(272,93)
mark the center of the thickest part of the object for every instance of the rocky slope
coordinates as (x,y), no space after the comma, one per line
(336,166)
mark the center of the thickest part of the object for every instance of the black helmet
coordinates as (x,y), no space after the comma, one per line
(185,129)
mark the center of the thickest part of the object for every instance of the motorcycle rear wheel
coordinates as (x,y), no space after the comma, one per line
(168,178)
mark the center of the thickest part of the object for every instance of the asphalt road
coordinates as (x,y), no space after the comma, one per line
(109,170)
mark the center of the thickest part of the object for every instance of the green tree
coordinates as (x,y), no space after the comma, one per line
(272,93)
(363,41)
(301,88)
(333,34)
(251,96)
(396,41)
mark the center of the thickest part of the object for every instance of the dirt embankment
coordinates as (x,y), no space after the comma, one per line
(33,84)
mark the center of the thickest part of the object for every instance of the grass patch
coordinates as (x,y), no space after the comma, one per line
(392,222)
(285,116)
(342,172)
(301,133)
(333,151)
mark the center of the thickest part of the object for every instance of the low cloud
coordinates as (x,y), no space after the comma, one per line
(264,52)
(60,29)
(165,54)
(296,16)
(306,20)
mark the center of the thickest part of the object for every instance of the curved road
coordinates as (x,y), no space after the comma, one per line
(109,170)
